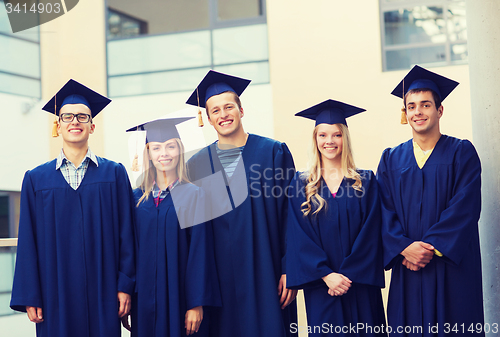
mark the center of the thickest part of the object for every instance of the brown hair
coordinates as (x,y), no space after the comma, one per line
(235,97)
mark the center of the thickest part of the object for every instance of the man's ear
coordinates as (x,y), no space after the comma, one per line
(440,111)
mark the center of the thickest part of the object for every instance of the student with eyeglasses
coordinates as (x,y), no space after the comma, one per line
(75,267)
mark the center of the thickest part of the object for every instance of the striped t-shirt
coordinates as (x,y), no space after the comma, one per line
(229,158)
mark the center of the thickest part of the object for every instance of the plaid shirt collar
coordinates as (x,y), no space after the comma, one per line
(157,193)
(62,158)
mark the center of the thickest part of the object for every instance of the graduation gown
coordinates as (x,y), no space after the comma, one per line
(250,240)
(75,249)
(175,267)
(343,238)
(438,204)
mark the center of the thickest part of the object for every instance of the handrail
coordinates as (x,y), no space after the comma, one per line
(8,242)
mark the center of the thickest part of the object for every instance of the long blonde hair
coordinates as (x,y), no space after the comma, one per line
(149,171)
(314,174)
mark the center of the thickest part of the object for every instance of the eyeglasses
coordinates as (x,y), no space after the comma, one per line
(69,117)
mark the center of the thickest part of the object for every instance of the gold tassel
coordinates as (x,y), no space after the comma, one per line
(200,119)
(54,129)
(403,116)
(135,163)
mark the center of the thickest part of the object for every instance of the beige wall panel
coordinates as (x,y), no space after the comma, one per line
(74,46)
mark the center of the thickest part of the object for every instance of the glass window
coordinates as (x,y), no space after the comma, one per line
(157,17)
(28,34)
(257,71)
(423,32)
(167,46)
(19,85)
(157,82)
(240,44)
(19,57)
(238,9)
(123,25)
(159,53)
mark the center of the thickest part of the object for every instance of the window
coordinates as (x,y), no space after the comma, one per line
(169,45)
(431,33)
(9,219)
(19,59)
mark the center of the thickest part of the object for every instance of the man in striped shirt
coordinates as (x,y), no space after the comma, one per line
(250,236)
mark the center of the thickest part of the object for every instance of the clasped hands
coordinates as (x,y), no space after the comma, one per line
(417,255)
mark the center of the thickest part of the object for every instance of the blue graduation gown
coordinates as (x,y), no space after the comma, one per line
(175,268)
(75,249)
(250,241)
(438,204)
(343,238)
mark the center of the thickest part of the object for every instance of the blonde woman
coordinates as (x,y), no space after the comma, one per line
(176,274)
(333,237)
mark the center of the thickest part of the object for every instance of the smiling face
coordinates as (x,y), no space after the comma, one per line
(422,114)
(225,114)
(75,133)
(164,156)
(329,142)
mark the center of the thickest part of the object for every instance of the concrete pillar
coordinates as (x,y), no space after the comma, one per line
(483,30)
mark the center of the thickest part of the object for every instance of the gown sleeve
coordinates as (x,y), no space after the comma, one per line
(457,223)
(26,290)
(393,238)
(365,263)
(307,262)
(284,170)
(126,208)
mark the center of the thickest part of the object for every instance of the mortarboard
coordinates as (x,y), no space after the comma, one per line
(330,112)
(215,83)
(160,130)
(420,78)
(76,93)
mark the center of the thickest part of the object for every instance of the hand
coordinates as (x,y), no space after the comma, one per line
(419,253)
(287,295)
(410,265)
(338,284)
(125,322)
(193,320)
(35,314)
(125,304)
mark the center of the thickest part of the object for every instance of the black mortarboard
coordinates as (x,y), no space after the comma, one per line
(76,93)
(215,83)
(420,78)
(160,130)
(330,112)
